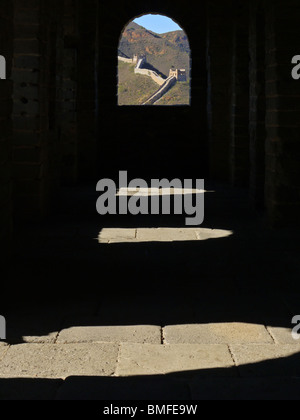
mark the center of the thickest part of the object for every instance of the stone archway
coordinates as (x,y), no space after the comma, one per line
(154,68)
(152,141)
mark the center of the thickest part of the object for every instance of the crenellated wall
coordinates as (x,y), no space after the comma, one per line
(126,60)
(168,84)
(145,72)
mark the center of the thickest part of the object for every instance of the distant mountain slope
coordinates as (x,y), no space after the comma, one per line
(162,51)
(134,89)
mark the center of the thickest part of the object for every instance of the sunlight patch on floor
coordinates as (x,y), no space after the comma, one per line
(142,235)
(148,192)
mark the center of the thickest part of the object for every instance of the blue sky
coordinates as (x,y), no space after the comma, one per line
(157,23)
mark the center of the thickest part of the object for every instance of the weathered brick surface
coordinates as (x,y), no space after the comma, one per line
(69,128)
(55,128)
(87,89)
(282,119)
(239,146)
(6,42)
(37,30)
(219,63)
(257,129)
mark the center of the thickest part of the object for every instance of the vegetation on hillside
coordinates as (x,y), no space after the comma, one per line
(178,95)
(134,89)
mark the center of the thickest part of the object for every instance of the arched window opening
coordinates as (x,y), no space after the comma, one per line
(154,63)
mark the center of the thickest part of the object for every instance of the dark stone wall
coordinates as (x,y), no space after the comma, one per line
(282,195)
(152,142)
(6,50)
(36,76)
(88,56)
(239,146)
(69,117)
(257,128)
(60,123)
(219,69)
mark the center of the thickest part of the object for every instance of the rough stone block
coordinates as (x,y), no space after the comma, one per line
(166,235)
(267,359)
(111,334)
(222,333)
(186,360)
(59,361)
(117,235)
(282,332)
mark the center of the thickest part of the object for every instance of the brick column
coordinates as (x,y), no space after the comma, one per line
(35,112)
(283,110)
(6,48)
(87,88)
(69,132)
(239,150)
(219,63)
(257,103)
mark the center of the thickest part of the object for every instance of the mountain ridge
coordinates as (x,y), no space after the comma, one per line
(163,51)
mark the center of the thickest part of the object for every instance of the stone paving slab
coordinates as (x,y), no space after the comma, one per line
(111,334)
(281,331)
(113,236)
(166,235)
(149,192)
(267,359)
(117,235)
(203,234)
(243,389)
(137,359)
(58,361)
(218,333)
(3,349)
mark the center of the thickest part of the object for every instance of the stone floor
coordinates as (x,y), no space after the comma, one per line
(135,309)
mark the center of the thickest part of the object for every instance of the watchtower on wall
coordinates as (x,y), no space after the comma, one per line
(138,57)
(179,74)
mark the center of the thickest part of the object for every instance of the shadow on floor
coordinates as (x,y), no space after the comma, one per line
(60,270)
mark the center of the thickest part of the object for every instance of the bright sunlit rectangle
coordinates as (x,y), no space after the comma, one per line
(148,192)
(142,235)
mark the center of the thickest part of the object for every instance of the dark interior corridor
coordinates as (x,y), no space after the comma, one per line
(68,272)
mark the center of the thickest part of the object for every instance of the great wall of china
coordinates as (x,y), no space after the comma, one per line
(164,84)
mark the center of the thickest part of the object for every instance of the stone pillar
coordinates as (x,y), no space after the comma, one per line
(239,147)
(35,111)
(87,88)
(219,67)
(6,49)
(69,129)
(257,102)
(283,110)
